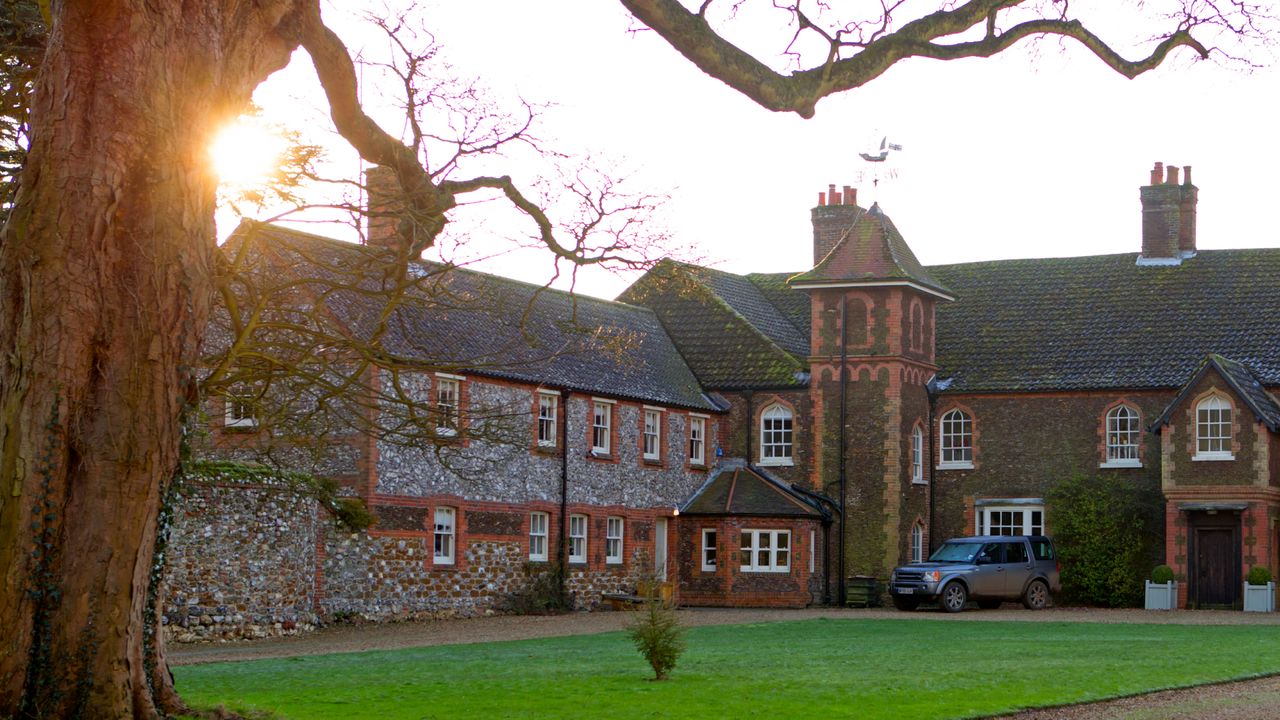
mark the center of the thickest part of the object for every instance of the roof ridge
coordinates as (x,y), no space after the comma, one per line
(373,249)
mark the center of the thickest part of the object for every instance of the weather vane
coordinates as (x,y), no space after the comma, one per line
(880,169)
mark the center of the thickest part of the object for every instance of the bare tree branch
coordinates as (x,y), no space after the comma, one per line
(692,34)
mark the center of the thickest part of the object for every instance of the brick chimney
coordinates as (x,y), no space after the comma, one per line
(382,219)
(832,218)
(1168,216)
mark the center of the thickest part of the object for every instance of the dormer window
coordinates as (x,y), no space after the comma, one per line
(1213,429)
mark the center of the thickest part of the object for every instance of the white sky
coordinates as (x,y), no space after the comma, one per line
(1039,153)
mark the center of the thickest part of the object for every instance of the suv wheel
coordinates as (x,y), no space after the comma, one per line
(1037,596)
(905,603)
(953,597)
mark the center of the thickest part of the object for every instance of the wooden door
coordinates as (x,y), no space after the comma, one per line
(1215,570)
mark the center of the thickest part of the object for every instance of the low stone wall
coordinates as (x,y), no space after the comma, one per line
(252,561)
(241,562)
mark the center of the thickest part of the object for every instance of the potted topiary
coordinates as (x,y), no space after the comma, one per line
(1259,590)
(1162,589)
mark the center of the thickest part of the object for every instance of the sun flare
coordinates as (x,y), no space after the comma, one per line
(246,153)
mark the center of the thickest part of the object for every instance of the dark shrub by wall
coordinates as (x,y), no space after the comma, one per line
(1108,533)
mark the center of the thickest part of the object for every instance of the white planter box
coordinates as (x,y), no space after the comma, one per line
(1162,596)
(1260,598)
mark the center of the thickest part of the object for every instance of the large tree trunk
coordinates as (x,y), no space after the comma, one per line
(105,269)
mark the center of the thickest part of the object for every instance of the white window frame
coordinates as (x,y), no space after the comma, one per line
(755,542)
(239,410)
(710,557)
(917,543)
(697,440)
(777,435)
(548,421)
(652,434)
(447,396)
(444,535)
(601,427)
(539,534)
(1214,429)
(917,455)
(1021,519)
(955,432)
(613,545)
(578,539)
(1122,432)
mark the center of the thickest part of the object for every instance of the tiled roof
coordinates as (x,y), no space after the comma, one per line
(736,488)
(872,251)
(1099,322)
(492,326)
(736,340)
(1242,380)
(1103,322)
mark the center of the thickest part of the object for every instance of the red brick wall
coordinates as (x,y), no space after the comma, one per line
(729,584)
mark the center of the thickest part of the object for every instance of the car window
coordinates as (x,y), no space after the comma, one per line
(955,552)
(1015,552)
(991,553)
(1042,549)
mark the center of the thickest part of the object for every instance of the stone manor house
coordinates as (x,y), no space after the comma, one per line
(752,439)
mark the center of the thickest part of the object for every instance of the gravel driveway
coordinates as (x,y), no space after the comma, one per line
(1245,700)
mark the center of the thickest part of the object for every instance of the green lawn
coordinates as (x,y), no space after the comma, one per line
(830,668)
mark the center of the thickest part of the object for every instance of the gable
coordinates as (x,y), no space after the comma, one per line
(725,348)
(1239,380)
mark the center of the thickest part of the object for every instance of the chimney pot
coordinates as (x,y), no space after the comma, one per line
(822,199)
(1171,172)
(1186,174)
(849,195)
(1157,173)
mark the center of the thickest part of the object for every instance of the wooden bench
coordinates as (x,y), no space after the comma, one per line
(623,601)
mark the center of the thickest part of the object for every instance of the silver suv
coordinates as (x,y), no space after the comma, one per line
(990,569)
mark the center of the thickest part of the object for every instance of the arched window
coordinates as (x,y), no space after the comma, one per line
(776,429)
(1122,436)
(956,433)
(1213,429)
(917,455)
(917,543)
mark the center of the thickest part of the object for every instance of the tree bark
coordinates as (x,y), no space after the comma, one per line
(105,287)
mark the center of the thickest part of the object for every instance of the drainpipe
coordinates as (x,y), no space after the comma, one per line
(751,422)
(841,591)
(562,552)
(929,464)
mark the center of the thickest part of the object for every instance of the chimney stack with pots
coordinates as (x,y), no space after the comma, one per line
(835,214)
(1168,216)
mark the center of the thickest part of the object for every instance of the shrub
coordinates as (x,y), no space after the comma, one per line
(658,635)
(1162,574)
(1108,531)
(1258,575)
